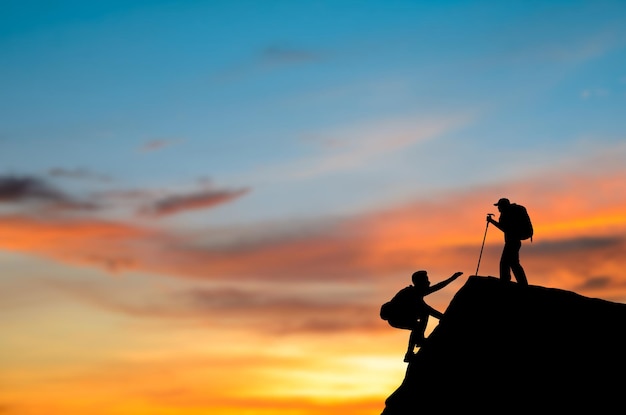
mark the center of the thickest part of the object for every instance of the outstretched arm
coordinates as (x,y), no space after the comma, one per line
(442,284)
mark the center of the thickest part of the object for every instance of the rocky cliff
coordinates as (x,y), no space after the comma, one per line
(503,348)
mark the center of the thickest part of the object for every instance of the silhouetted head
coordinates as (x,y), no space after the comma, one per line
(420,279)
(502,204)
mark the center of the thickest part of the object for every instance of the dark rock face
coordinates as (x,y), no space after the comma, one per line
(505,349)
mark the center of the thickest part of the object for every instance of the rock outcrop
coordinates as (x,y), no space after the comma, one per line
(506,349)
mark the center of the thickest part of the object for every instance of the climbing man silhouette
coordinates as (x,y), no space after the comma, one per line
(407,309)
(509,261)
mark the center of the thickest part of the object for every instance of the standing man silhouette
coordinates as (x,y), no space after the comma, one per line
(509,261)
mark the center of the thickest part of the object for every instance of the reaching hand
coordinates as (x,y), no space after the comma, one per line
(457,274)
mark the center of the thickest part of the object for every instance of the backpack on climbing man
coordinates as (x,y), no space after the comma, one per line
(400,311)
(523,224)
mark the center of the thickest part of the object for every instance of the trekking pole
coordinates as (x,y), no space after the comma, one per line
(483,245)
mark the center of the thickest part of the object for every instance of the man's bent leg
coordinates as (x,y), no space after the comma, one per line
(414,337)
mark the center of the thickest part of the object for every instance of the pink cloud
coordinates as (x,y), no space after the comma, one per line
(579,228)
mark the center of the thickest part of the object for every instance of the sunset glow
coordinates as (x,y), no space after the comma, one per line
(204,204)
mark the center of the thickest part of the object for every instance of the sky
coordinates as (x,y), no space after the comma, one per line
(203,204)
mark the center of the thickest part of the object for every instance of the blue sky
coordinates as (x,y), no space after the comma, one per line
(247,94)
(270,172)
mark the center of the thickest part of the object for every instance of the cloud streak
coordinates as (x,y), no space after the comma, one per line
(579,225)
(265,308)
(155,145)
(355,147)
(20,190)
(273,57)
(30,191)
(78,173)
(193,201)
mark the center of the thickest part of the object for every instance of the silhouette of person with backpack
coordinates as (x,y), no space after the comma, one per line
(515,223)
(407,309)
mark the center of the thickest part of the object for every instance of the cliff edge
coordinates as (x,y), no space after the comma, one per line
(504,348)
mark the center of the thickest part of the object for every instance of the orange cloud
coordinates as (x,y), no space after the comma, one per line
(329,278)
(571,214)
(78,241)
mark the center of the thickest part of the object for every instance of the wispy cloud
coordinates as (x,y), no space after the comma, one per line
(579,226)
(580,50)
(30,190)
(354,147)
(268,308)
(154,145)
(192,201)
(272,57)
(596,92)
(25,189)
(78,173)
(16,189)
(85,241)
